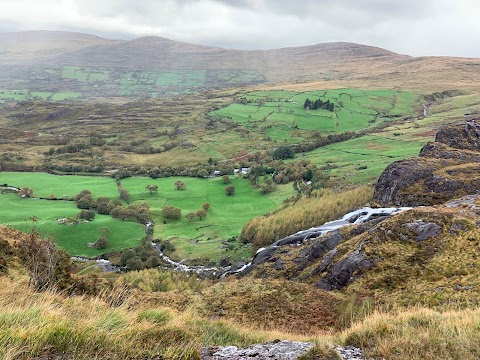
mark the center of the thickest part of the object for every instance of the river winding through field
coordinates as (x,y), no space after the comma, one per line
(352,218)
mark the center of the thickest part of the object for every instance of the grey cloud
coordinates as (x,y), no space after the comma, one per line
(413,27)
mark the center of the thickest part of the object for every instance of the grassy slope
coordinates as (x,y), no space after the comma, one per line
(354,110)
(16,212)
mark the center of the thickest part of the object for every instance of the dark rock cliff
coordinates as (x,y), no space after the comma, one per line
(445,169)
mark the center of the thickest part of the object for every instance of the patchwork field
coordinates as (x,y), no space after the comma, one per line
(281,115)
(19,95)
(226,215)
(88,81)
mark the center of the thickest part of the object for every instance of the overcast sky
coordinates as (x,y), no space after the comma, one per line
(413,27)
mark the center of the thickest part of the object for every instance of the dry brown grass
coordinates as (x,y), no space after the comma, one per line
(418,333)
(51,324)
(323,206)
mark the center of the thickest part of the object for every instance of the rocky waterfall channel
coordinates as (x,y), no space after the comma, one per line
(359,216)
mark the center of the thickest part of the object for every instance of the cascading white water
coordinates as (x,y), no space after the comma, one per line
(355,217)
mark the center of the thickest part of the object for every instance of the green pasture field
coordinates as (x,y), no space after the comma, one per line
(75,72)
(43,184)
(283,111)
(16,212)
(13,94)
(226,216)
(361,160)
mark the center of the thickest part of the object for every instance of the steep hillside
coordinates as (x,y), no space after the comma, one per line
(424,256)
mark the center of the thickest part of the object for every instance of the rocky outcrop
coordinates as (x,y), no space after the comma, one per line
(384,253)
(275,350)
(445,169)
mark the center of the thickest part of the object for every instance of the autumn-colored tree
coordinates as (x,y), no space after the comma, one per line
(152,188)
(202,214)
(170,212)
(225,179)
(206,206)
(49,267)
(191,216)
(124,195)
(180,185)
(102,241)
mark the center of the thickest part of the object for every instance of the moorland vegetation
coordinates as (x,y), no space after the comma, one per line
(110,158)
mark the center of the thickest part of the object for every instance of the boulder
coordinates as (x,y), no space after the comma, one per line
(424,230)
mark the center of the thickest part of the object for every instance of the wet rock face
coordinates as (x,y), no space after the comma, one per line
(446,169)
(424,230)
(275,350)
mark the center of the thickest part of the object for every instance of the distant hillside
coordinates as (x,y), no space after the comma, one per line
(62,62)
(31,45)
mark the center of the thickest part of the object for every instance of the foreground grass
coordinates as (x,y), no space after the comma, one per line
(49,325)
(418,334)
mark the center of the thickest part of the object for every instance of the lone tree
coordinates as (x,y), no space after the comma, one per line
(202,173)
(206,206)
(86,215)
(230,190)
(170,212)
(152,188)
(225,179)
(180,185)
(202,214)
(49,267)
(124,195)
(102,241)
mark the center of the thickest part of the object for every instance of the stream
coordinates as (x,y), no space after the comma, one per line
(352,218)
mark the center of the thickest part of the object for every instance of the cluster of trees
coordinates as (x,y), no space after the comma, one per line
(201,214)
(283,152)
(141,257)
(134,212)
(73,168)
(69,149)
(319,104)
